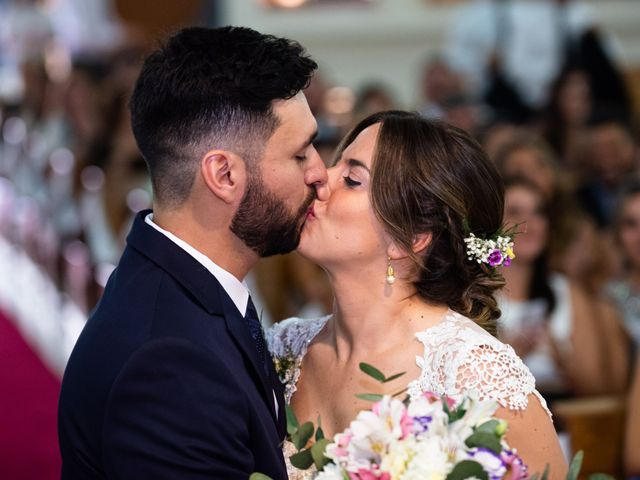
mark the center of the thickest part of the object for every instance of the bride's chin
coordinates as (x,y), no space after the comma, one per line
(305,248)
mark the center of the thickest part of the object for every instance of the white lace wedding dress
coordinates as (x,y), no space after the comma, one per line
(460,358)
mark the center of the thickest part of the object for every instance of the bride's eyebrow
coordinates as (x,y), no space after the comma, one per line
(352,162)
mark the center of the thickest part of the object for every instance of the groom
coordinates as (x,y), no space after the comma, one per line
(170,378)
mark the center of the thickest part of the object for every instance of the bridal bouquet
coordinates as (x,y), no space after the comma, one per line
(430,437)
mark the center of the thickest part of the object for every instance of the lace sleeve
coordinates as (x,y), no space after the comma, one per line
(462,359)
(496,372)
(288,341)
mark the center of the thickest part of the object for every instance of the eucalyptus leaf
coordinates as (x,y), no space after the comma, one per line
(259,476)
(292,421)
(574,467)
(484,440)
(302,435)
(373,372)
(393,377)
(468,469)
(317,452)
(545,474)
(489,427)
(369,397)
(302,460)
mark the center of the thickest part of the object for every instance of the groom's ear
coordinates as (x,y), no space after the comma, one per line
(224,174)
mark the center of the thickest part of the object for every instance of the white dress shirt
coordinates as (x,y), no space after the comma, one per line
(236,289)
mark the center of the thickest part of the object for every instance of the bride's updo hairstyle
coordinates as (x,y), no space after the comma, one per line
(430,177)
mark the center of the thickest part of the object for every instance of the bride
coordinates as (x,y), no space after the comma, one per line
(405,193)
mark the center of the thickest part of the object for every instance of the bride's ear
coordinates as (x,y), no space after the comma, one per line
(420,242)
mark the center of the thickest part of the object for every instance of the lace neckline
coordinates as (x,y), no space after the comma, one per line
(289,363)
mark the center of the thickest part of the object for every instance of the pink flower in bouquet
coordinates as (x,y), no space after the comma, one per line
(364,474)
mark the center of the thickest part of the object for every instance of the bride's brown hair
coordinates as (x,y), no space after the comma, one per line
(430,177)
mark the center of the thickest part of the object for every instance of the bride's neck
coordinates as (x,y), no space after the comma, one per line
(369,313)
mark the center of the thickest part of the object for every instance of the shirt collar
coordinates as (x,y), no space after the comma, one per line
(236,289)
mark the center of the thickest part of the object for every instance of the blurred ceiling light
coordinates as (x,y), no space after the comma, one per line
(285,3)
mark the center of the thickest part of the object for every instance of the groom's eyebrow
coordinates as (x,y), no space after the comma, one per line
(310,140)
(352,162)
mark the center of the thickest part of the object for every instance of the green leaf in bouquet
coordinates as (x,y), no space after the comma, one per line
(317,452)
(259,476)
(292,421)
(393,377)
(468,469)
(601,476)
(535,476)
(302,460)
(373,372)
(369,397)
(489,427)
(545,474)
(574,467)
(484,440)
(302,435)
(319,431)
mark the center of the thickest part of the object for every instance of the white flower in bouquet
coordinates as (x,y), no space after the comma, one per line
(430,462)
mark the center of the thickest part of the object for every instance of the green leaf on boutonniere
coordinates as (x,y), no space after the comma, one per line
(576,464)
(484,440)
(302,460)
(292,421)
(468,469)
(372,371)
(317,452)
(302,435)
(369,397)
(259,476)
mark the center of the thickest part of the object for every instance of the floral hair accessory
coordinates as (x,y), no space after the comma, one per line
(492,251)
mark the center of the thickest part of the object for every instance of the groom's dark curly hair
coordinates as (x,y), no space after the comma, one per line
(211,88)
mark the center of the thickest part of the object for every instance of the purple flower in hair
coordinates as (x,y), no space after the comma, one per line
(495,258)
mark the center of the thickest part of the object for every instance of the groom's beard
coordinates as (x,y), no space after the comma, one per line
(263,222)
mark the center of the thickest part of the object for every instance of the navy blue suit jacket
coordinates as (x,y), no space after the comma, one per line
(165,380)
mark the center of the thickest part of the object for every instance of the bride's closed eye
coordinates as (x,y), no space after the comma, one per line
(350,182)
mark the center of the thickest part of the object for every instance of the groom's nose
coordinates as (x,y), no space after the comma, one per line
(316,175)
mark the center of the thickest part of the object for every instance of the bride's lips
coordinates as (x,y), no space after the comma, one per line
(310,212)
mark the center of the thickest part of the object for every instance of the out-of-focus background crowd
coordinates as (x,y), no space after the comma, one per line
(551,88)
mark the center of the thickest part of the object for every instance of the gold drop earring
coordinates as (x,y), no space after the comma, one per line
(391,275)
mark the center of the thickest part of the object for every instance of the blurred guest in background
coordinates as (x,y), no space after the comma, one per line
(546,317)
(625,290)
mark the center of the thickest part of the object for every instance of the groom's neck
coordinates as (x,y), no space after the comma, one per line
(210,235)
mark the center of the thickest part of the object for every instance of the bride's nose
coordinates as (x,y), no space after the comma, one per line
(333,178)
